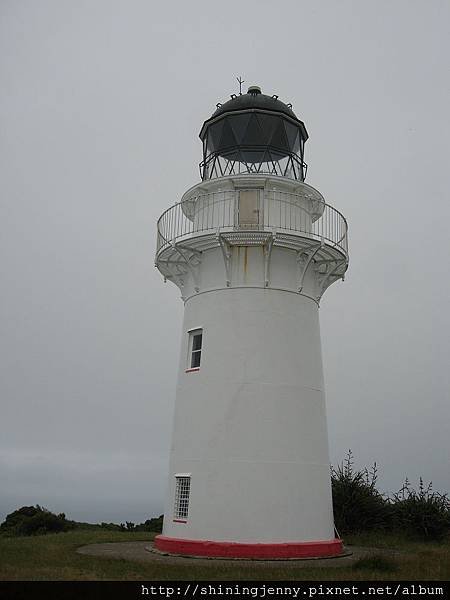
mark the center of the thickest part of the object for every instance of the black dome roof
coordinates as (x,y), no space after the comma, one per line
(254,100)
(260,101)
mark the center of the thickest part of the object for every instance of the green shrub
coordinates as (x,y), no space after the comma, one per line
(15,519)
(154,524)
(423,514)
(111,526)
(34,520)
(357,504)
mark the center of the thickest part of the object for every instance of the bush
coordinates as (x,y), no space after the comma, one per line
(357,504)
(34,520)
(423,514)
(16,518)
(112,526)
(154,524)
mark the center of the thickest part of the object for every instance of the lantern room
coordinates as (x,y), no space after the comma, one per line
(253,133)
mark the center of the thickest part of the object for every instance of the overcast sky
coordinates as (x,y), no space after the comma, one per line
(101,103)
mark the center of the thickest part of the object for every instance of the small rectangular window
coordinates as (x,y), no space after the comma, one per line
(195,349)
(182,490)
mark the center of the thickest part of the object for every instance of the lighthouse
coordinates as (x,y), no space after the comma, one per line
(252,249)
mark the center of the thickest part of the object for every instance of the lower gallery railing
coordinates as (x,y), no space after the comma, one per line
(266,211)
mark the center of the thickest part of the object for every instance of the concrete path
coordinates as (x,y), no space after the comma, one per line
(143,552)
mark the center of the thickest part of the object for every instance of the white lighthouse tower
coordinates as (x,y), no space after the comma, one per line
(252,249)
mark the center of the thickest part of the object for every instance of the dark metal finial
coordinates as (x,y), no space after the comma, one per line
(240,81)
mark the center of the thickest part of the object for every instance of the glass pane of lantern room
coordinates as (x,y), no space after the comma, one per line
(248,211)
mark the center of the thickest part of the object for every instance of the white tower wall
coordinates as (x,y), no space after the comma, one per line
(251,422)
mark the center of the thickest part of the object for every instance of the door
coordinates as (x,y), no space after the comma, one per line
(249,212)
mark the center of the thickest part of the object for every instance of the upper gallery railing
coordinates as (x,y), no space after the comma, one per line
(225,211)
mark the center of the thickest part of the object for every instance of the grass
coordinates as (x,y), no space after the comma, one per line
(54,557)
(377,562)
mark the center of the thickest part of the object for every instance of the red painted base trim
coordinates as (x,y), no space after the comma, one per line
(248,550)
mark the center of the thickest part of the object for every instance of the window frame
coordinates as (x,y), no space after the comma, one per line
(182,494)
(193,333)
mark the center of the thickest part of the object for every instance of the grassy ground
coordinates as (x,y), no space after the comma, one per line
(54,557)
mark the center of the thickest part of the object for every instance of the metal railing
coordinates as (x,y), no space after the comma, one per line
(291,166)
(281,211)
